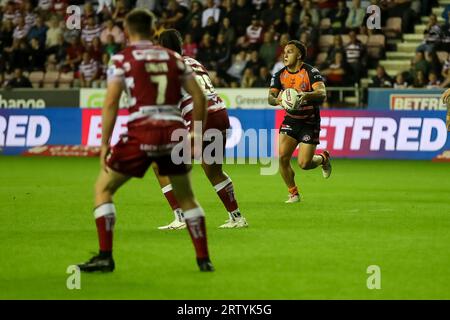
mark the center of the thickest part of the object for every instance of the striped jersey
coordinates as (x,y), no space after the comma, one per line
(305,79)
(215,103)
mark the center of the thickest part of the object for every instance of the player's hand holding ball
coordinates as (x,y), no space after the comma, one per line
(291,99)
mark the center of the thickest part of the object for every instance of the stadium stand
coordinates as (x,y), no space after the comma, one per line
(39,37)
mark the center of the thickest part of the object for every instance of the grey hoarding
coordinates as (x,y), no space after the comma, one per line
(38,98)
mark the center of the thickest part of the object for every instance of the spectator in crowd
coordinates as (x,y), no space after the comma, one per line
(44,8)
(111,47)
(53,33)
(338,46)
(381,79)
(402,9)
(237,67)
(335,73)
(311,48)
(90,31)
(30,15)
(355,16)
(445,44)
(433,35)
(308,9)
(190,48)
(222,54)
(279,64)
(228,31)
(18,55)
(434,62)
(254,33)
(433,81)
(325,6)
(60,7)
(60,51)
(248,78)
(37,56)
(243,13)
(175,16)
(195,30)
(88,12)
(338,17)
(211,10)
(268,49)
(39,31)
(419,79)
(196,11)
(305,26)
(102,70)
(88,71)
(120,12)
(96,50)
(282,42)
(400,82)
(289,26)
(6,34)
(10,13)
(355,52)
(18,80)
(211,27)
(113,30)
(205,53)
(272,14)
(21,30)
(419,63)
(263,79)
(74,55)
(446,13)
(254,62)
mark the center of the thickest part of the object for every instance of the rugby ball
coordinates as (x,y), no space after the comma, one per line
(289,99)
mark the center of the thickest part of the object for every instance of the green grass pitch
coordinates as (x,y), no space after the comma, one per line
(394,214)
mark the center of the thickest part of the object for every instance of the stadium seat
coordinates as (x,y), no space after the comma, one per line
(65,80)
(393,27)
(325,42)
(50,79)
(345,39)
(363,38)
(375,46)
(325,24)
(36,78)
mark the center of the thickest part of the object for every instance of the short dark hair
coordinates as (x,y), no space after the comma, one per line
(171,39)
(300,46)
(139,21)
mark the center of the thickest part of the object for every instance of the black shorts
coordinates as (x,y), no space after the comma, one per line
(300,131)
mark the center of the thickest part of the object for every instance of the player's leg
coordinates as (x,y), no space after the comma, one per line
(307,157)
(194,217)
(222,183)
(166,188)
(225,190)
(105,217)
(286,147)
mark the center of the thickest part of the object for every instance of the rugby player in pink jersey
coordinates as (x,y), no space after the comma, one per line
(153,78)
(217,119)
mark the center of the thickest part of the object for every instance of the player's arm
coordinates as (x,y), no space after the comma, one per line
(318,94)
(274,97)
(275,91)
(198,98)
(109,115)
